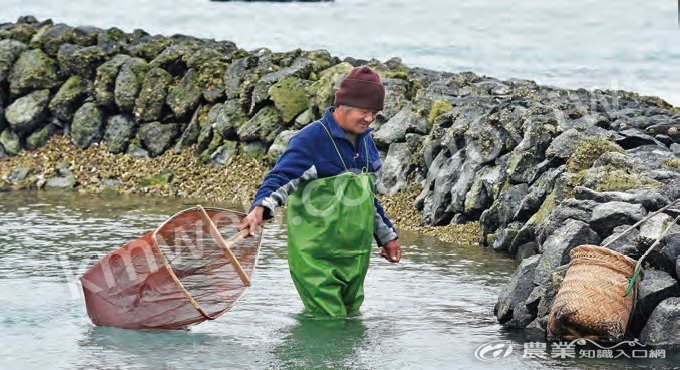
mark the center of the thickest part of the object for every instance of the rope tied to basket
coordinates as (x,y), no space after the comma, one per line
(594,300)
(638,266)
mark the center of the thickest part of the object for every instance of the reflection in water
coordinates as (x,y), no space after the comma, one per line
(151,348)
(320,343)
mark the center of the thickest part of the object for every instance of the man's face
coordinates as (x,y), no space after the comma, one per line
(356,120)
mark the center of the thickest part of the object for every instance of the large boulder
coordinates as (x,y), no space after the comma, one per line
(396,128)
(88,122)
(119,130)
(34,70)
(290,97)
(173,59)
(510,309)
(105,80)
(397,166)
(150,104)
(157,137)
(28,112)
(9,53)
(191,132)
(607,216)
(186,96)
(128,83)
(557,247)
(10,142)
(81,61)
(655,287)
(55,36)
(68,98)
(663,327)
(227,118)
(265,126)
(39,138)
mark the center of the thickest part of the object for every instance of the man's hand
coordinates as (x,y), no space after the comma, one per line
(253,220)
(391,251)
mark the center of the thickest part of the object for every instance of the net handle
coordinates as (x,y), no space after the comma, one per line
(225,245)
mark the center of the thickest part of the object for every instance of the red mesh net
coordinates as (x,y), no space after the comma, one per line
(175,276)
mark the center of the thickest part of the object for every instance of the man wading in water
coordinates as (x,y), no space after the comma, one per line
(326,174)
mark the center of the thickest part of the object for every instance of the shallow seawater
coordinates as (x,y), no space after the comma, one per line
(431,311)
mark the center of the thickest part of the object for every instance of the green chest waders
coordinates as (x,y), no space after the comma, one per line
(330,230)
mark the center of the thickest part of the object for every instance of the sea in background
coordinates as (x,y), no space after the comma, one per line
(627,44)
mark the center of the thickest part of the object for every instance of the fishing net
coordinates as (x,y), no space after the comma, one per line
(194,267)
(592,301)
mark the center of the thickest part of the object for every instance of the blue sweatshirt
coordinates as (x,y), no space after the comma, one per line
(310,154)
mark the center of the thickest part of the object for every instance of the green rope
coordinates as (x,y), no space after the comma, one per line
(338,150)
(336,147)
(638,267)
(631,281)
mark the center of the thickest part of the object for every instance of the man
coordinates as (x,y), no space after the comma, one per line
(326,174)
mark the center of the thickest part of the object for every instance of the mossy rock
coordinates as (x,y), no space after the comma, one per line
(150,103)
(112,34)
(671,163)
(211,79)
(87,125)
(587,151)
(33,70)
(224,153)
(10,141)
(22,32)
(112,40)
(27,113)
(439,107)
(548,205)
(105,80)
(149,47)
(161,179)
(265,126)
(78,60)
(290,97)
(184,97)
(129,82)
(227,118)
(86,35)
(210,148)
(40,137)
(609,178)
(10,50)
(158,137)
(620,180)
(323,90)
(69,97)
(64,183)
(119,129)
(205,56)
(256,150)
(190,134)
(54,37)
(173,58)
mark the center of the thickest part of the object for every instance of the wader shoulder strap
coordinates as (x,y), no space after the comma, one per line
(338,150)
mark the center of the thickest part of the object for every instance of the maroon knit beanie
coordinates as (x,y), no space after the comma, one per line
(361,88)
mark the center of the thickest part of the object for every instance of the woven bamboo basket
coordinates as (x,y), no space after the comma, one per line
(591,303)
